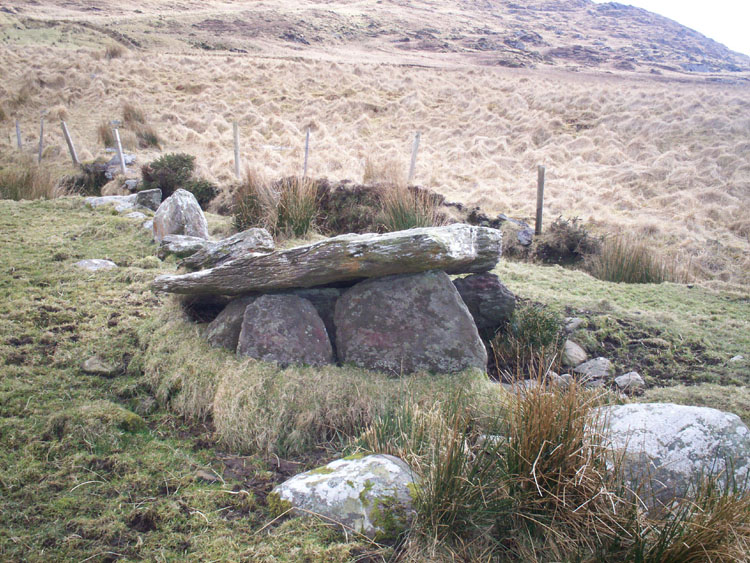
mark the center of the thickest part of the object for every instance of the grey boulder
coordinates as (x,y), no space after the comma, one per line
(242,244)
(96,366)
(573,355)
(596,369)
(285,329)
(150,199)
(630,382)
(489,301)
(665,448)
(407,323)
(121,202)
(180,214)
(224,330)
(370,495)
(456,249)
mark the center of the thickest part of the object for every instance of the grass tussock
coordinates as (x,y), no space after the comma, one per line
(105,134)
(531,340)
(26,179)
(134,119)
(287,208)
(384,171)
(404,208)
(625,259)
(114,51)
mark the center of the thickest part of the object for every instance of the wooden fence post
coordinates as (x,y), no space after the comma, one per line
(119,152)
(41,138)
(236,149)
(18,135)
(307,151)
(71,147)
(414,149)
(539,200)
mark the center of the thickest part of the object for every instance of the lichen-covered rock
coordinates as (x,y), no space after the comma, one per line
(407,323)
(180,246)
(630,382)
(121,202)
(324,300)
(455,249)
(95,264)
(371,495)
(96,366)
(224,330)
(285,329)
(488,300)
(666,447)
(245,243)
(573,355)
(180,214)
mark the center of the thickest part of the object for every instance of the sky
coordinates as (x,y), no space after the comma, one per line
(725,21)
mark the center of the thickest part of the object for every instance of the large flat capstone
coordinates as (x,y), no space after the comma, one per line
(455,249)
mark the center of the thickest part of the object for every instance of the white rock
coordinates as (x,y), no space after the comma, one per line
(370,495)
(573,355)
(736,359)
(630,381)
(180,214)
(572,323)
(121,202)
(135,215)
(665,447)
(95,264)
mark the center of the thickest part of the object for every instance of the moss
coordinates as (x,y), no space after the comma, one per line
(358,455)
(387,515)
(364,492)
(324,470)
(277,506)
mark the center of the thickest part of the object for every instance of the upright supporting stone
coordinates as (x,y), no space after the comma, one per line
(71,146)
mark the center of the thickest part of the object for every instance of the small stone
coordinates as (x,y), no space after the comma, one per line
(131,185)
(148,225)
(564,380)
(598,368)
(150,199)
(180,246)
(736,359)
(630,381)
(135,215)
(120,201)
(207,476)
(95,264)
(573,355)
(525,236)
(572,323)
(96,366)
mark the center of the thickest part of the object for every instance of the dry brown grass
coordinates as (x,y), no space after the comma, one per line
(26,179)
(622,152)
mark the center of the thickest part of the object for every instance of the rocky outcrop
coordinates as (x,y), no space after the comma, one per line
(488,300)
(665,448)
(242,244)
(370,495)
(285,329)
(180,214)
(454,249)
(407,323)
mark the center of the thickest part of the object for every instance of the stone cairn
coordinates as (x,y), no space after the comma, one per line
(378,301)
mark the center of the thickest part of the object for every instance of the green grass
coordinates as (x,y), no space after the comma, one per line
(669,333)
(100,468)
(90,467)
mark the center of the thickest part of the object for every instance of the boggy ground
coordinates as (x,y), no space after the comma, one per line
(109,468)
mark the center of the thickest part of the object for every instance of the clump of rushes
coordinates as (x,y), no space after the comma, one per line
(26,179)
(529,342)
(566,241)
(408,208)
(629,260)
(287,208)
(114,52)
(135,119)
